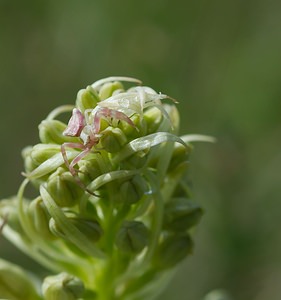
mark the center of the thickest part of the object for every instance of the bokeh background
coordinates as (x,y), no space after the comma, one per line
(221,59)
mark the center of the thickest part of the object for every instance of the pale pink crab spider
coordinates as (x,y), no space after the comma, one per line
(87,127)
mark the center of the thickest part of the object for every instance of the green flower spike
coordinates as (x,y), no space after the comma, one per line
(112,216)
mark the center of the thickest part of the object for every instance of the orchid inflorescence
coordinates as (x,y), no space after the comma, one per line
(112,216)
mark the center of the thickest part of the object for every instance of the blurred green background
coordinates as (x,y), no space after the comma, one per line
(221,59)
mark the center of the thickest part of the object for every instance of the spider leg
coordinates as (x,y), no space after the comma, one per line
(80,156)
(63,152)
(122,117)
(71,165)
(111,113)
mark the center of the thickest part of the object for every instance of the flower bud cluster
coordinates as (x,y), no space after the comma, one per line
(112,212)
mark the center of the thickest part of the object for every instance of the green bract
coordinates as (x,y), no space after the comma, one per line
(111,217)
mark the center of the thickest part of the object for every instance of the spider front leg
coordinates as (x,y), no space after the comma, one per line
(105,112)
(71,165)
(63,152)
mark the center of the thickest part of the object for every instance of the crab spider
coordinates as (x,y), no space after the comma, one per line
(87,127)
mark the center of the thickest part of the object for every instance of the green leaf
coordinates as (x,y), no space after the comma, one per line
(110,176)
(99,83)
(145,143)
(188,138)
(50,165)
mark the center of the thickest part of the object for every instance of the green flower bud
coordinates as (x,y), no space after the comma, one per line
(15,283)
(171,250)
(51,132)
(41,152)
(174,117)
(135,161)
(9,215)
(29,164)
(40,218)
(62,287)
(128,192)
(180,154)
(153,117)
(64,189)
(130,131)
(35,156)
(181,214)
(89,169)
(132,237)
(109,88)
(90,228)
(113,139)
(132,190)
(87,99)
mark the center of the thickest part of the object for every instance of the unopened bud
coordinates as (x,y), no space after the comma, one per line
(171,250)
(89,169)
(174,117)
(64,189)
(113,139)
(41,152)
(180,214)
(62,287)
(87,99)
(9,215)
(128,193)
(132,237)
(51,132)
(132,190)
(90,228)
(133,132)
(15,283)
(137,160)
(40,218)
(180,154)
(153,117)
(29,163)
(33,156)
(109,88)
